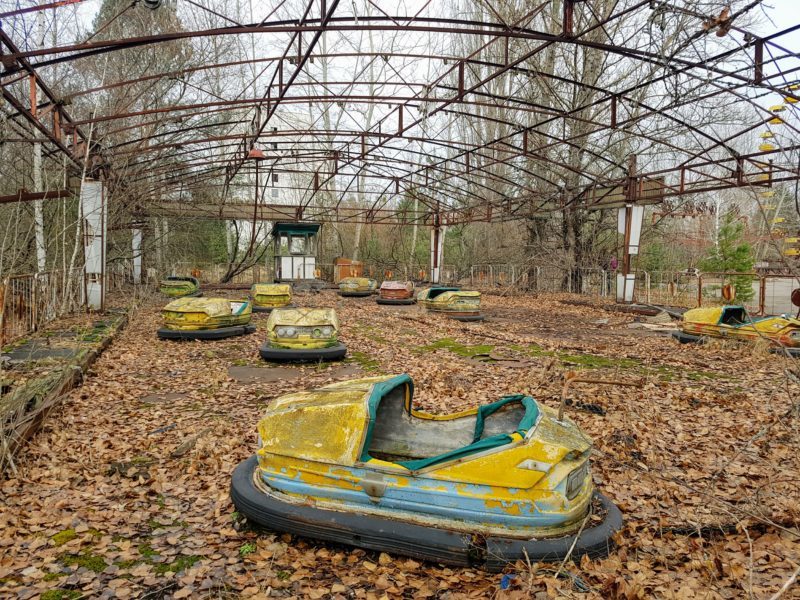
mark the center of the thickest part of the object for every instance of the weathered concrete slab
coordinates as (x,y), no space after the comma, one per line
(262,374)
(38,350)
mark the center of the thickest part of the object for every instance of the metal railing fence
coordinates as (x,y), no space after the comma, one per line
(27,302)
(761,294)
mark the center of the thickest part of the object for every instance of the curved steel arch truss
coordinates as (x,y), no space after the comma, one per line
(479,110)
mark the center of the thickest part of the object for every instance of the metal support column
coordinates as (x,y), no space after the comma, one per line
(93,214)
(437,248)
(136,248)
(629,224)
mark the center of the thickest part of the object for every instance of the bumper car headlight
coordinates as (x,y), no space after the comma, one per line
(321,332)
(575,480)
(286,332)
(795,336)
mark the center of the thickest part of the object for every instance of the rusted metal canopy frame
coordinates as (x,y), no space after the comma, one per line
(273,212)
(326,14)
(561,141)
(618,97)
(35,112)
(704,64)
(326,155)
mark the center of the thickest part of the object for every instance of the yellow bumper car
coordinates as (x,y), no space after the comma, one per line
(733,323)
(266,296)
(454,302)
(302,334)
(205,319)
(357,287)
(355,463)
(178,287)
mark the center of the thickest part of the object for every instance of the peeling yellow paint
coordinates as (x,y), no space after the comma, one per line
(705,321)
(271,295)
(316,437)
(304,320)
(205,313)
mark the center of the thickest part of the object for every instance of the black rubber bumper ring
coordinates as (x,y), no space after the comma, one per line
(205,334)
(395,301)
(468,318)
(687,338)
(418,541)
(310,355)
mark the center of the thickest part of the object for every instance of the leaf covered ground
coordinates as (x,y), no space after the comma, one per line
(124,493)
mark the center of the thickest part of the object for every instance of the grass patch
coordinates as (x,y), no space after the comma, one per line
(62,537)
(588,361)
(593,361)
(156,525)
(700,375)
(247,549)
(90,561)
(464,350)
(364,361)
(15,345)
(179,564)
(146,551)
(60,594)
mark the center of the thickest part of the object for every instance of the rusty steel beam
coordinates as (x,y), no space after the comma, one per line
(26,196)
(451,26)
(60,121)
(326,14)
(281,212)
(38,7)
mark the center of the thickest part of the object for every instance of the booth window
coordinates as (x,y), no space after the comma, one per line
(297,244)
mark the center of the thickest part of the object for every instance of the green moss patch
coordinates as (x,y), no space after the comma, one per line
(179,564)
(593,361)
(365,361)
(61,594)
(62,537)
(146,551)
(458,348)
(53,576)
(90,561)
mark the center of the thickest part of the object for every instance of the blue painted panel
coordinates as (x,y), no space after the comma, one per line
(457,502)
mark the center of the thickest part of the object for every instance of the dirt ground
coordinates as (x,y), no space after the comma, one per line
(124,493)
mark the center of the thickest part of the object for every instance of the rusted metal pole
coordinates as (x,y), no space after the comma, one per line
(631,196)
(567,24)
(3,287)
(699,291)
(758,75)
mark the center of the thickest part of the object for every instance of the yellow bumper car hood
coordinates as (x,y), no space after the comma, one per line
(271,289)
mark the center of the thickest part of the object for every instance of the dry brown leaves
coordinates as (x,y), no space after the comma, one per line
(125,491)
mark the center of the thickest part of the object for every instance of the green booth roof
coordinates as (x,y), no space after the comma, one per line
(294,228)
